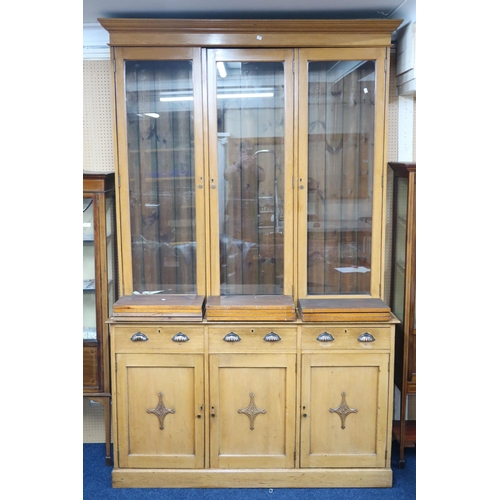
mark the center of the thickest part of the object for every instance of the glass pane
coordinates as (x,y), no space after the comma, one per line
(250,113)
(161,175)
(340,176)
(110,252)
(399,245)
(89,304)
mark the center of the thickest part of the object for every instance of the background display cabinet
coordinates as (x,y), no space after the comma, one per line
(99,288)
(251,162)
(403,296)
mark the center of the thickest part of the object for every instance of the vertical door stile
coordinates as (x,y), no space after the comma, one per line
(212,180)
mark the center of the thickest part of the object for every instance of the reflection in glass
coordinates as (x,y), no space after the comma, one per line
(250,115)
(341,104)
(161,174)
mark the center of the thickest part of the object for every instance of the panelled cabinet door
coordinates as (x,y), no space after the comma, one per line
(344,406)
(160,405)
(252,408)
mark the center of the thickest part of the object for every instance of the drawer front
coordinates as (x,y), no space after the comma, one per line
(156,338)
(91,378)
(366,338)
(255,338)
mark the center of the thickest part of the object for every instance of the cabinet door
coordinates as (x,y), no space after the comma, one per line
(92,337)
(252,407)
(250,99)
(345,399)
(160,405)
(341,167)
(160,164)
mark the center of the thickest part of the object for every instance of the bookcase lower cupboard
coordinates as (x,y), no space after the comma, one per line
(299,405)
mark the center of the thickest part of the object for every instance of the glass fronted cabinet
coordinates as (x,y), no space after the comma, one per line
(99,288)
(403,295)
(255,171)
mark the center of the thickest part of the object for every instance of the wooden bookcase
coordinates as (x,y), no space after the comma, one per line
(403,295)
(252,161)
(99,289)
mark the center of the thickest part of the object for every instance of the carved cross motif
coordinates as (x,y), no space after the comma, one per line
(251,410)
(343,410)
(161,410)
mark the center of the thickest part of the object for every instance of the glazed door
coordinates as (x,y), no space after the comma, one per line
(250,99)
(91,289)
(160,150)
(341,168)
(344,406)
(252,408)
(160,405)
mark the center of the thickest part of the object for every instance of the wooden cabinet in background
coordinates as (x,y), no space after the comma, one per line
(99,289)
(403,296)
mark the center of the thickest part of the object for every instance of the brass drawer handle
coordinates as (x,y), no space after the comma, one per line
(325,337)
(232,337)
(366,337)
(180,337)
(272,337)
(139,337)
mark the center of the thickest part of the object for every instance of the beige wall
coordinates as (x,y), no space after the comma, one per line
(97,117)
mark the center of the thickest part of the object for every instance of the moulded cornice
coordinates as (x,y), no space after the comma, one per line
(250,25)
(250,32)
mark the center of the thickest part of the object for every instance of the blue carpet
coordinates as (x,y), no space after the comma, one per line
(97,485)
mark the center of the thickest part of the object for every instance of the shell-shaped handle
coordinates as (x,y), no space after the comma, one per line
(366,337)
(180,337)
(325,337)
(139,337)
(232,337)
(272,337)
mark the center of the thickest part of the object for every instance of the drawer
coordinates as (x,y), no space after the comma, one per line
(239,338)
(147,338)
(90,369)
(366,338)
